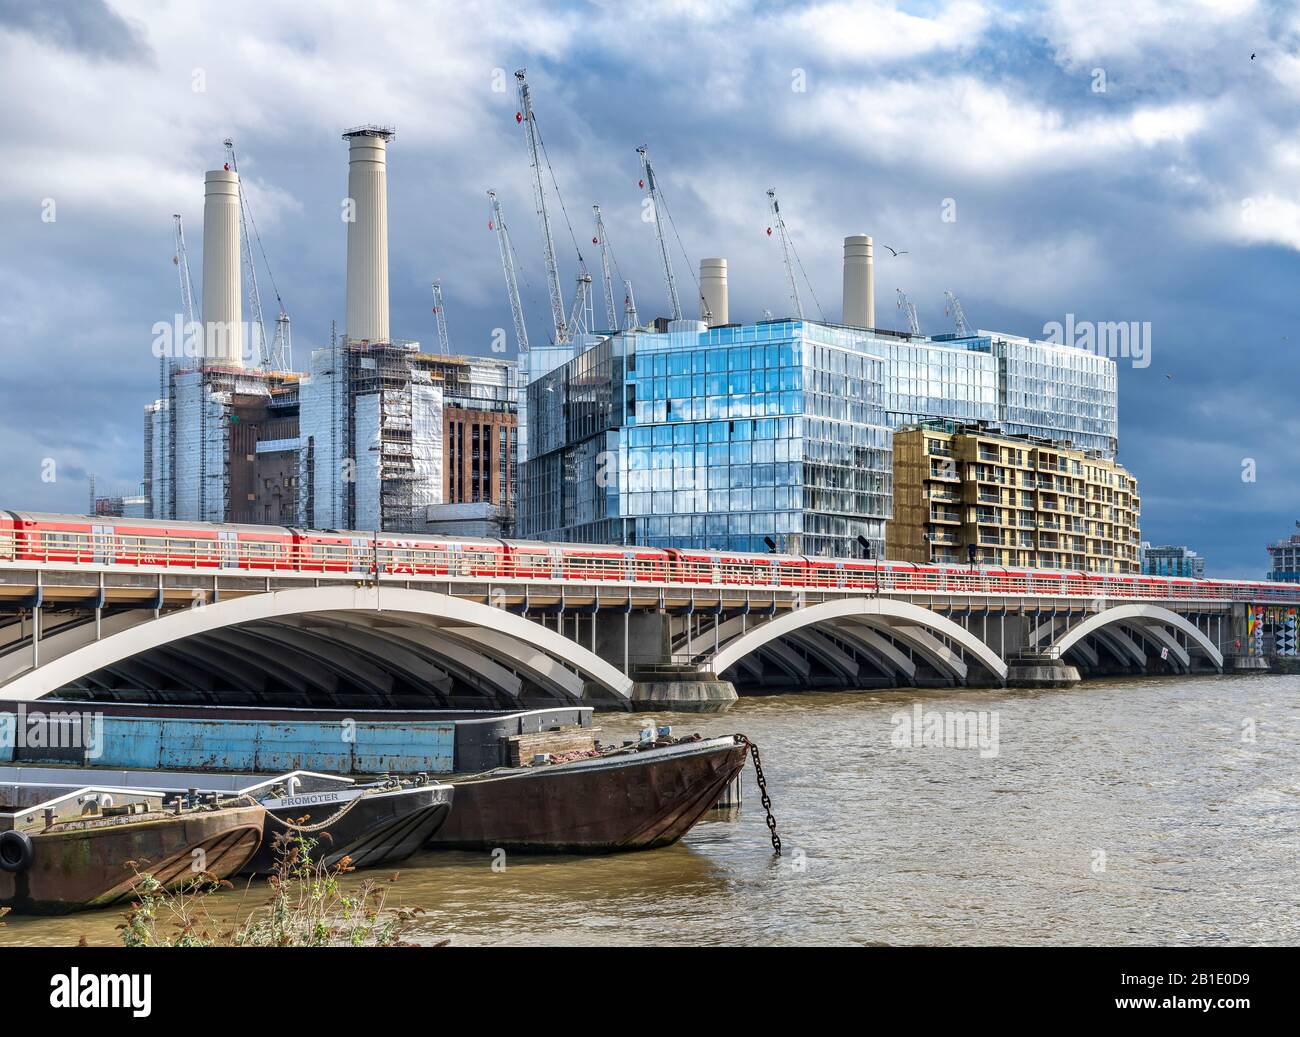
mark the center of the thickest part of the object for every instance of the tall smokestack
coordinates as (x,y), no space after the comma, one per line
(859,282)
(368,233)
(223,336)
(713,292)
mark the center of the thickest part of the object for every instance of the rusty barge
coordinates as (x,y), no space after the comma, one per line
(67,849)
(529,781)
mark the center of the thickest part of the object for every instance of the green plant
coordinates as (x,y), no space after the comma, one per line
(310,906)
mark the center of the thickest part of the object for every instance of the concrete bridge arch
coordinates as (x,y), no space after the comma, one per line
(1150,622)
(426,624)
(926,632)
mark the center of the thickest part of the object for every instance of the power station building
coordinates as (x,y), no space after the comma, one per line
(374,435)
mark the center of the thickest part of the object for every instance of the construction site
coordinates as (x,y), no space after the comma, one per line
(374,434)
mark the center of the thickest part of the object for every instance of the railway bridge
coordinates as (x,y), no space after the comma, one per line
(386,634)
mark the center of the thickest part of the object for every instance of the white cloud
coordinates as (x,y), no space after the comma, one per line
(1121,31)
(876,31)
(968,124)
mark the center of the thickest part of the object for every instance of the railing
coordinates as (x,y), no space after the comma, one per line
(394,557)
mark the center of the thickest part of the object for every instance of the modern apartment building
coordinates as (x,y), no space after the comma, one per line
(1017,500)
(1284,559)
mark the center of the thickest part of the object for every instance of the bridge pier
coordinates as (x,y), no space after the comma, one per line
(681,689)
(1030,671)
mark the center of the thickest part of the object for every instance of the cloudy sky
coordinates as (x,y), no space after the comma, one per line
(1114,159)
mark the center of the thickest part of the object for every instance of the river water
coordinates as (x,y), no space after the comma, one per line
(1163,810)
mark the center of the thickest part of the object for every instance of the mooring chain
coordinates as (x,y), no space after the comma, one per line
(762,792)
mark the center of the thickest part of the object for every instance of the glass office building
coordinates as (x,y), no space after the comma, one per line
(724,438)
(1172,560)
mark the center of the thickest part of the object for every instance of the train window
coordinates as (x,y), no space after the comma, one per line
(260,549)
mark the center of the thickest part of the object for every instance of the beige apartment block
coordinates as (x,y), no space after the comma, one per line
(1021,501)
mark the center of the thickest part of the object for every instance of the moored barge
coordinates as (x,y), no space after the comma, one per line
(528,780)
(67,849)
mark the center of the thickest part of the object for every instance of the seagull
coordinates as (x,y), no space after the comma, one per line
(896,252)
(1252,57)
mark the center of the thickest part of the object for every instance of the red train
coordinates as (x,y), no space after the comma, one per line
(151,544)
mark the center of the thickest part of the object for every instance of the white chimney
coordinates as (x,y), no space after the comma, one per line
(859,282)
(713,292)
(223,338)
(368,233)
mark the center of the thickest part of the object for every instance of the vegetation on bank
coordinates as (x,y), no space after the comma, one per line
(309,907)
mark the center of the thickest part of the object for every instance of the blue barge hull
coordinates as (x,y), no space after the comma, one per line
(256,740)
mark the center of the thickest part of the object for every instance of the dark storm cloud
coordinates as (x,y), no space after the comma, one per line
(89,27)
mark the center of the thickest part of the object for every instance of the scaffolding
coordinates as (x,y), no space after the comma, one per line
(370,438)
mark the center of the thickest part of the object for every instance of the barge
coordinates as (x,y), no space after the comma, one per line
(371,823)
(528,781)
(65,849)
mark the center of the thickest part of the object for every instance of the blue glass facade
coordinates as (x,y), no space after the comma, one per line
(715,439)
(723,437)
(1172,560)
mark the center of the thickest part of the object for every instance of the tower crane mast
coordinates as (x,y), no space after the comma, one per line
(497,222)
(778,221)
(189,308)
(444,340)
(957,314)
(648,182)
(909,311)
(525,116)
(246,254)
(630,318)
(611,311)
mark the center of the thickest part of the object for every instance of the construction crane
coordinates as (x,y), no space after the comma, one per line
(909,311)
(190,315)
(276,355)
(528,119)
(444,341)
(582,320)
(282,347)
(497,222)
(649,185)
(630,318)
(246,256)
(181,259)
(958,315)
(778,221)
(607,278)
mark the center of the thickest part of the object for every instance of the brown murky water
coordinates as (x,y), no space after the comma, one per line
(1121,812)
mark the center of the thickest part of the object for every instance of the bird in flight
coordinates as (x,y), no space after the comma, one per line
(896,252)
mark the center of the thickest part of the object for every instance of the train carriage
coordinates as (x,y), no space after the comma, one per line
(42,538)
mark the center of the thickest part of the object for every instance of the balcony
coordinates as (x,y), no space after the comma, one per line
(945,473)
(941,536)
(943,515)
